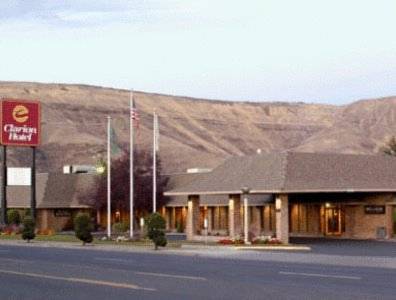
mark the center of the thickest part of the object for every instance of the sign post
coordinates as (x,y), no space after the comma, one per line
(33,186)
(3,215)
(20,126)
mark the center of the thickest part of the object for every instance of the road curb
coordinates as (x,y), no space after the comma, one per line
(288,248)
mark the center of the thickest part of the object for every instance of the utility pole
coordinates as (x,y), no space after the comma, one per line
(109,177)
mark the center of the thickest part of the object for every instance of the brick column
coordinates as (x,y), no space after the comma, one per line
(234,215)
(44,219)
(173,219)
(282,218)
(192,217)
(255,222)
(166,217)
(98,216)
(210,219)
(389,221)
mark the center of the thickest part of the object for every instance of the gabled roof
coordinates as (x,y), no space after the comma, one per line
(53,190)
(295,172)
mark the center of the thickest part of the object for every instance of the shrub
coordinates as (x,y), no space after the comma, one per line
(28,229)
(83,227)
(156,230)
(27,212)
(120,227)
(266,240)
(13,217)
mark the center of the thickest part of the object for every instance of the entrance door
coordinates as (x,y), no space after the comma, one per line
(333,220)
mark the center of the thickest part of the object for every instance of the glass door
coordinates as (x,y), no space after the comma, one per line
(333,220)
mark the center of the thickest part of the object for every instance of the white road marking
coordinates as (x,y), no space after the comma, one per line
(321,275)
(79,280)
(113,259)
(171,276)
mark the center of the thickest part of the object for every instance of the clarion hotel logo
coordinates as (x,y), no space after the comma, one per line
(20,113)
(20,122)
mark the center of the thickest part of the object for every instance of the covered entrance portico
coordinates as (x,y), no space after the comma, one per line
(266,215)
(333,215)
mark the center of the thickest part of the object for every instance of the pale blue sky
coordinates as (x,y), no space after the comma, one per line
(261,50)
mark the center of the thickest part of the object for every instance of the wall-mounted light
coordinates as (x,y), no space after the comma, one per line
(278,204)
(206,223)
(327,204)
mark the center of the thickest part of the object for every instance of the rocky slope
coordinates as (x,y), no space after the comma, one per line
(194,132)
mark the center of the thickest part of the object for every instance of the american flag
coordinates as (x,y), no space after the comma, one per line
(135,116)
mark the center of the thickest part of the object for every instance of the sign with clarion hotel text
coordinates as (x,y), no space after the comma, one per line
(20,123)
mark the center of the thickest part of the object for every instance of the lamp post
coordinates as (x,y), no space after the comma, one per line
(245,192)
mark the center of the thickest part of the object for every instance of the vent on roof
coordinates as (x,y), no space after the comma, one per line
(199,170)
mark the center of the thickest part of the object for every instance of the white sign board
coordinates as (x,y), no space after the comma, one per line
(19,176)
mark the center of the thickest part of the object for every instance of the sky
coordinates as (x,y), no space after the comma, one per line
(321,51)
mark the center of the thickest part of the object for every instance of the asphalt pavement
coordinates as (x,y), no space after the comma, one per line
(54,273)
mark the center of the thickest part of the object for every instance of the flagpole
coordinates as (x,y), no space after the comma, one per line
(155,162)
(131,165)
(108,177)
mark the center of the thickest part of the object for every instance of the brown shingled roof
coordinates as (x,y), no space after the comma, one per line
(218,200)
(294,172)
(53,191)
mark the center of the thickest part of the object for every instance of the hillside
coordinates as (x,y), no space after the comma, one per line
(194,132)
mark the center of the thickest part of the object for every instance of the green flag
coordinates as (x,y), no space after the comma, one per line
(114,141)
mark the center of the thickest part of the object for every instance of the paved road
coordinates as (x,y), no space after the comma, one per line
(349,247)
(53,273)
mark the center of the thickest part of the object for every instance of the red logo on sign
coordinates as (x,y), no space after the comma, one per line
(20,123)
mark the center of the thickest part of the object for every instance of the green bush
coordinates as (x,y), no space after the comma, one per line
(28,229)
(120,227)
(156,230)
(83,227)
(27,212)
(13,217)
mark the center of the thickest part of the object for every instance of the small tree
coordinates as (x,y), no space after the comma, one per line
(28,229)
(156,230)
(13,217)
(27,212)
(83,228)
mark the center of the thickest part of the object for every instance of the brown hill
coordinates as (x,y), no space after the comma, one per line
(194,132)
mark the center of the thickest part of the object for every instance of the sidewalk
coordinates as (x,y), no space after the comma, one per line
(123,247)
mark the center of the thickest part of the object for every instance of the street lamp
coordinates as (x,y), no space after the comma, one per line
(245,191)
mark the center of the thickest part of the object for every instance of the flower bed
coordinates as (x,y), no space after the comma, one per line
(267,240)
(236,241)
(10,230)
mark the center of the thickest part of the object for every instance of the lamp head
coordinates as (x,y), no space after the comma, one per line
(245,190)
